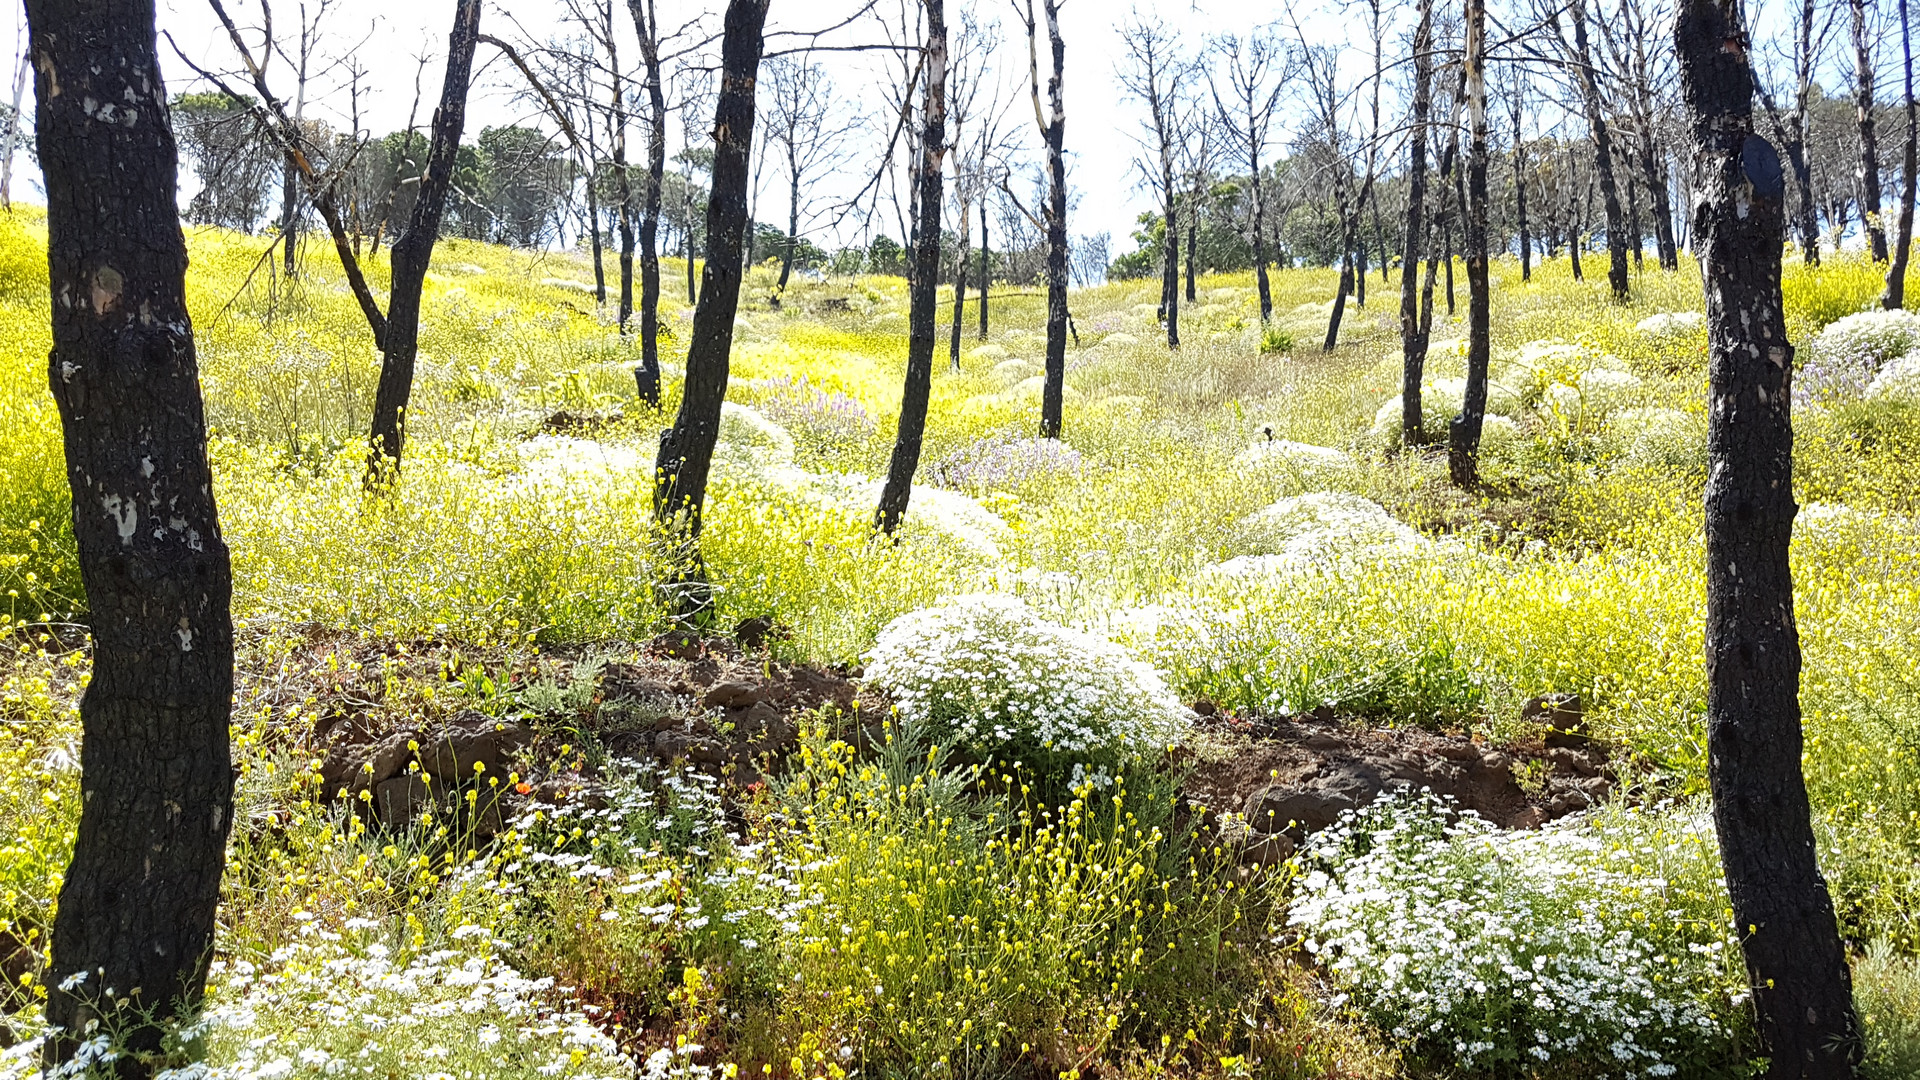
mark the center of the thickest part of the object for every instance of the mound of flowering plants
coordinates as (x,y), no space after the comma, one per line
(986,673)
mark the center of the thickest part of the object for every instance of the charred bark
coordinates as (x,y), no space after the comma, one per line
(1868,171)
(686,450)
(1463,436)
(411,253)
(647,24)
(1413,332)
(136,914)
(1053,129)
(923,298)
(1801,985)
(1602,154)
(1895,295)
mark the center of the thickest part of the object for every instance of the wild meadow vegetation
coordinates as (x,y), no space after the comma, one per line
(1004,879)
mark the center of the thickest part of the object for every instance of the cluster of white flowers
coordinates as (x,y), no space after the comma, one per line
(988,672)
(1315,529)
(1670,324)
(1852,353)
(1310,464)
(1900,378)
(1492,948)
(1655,438)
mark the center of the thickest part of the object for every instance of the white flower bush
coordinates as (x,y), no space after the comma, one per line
(1600,943)
(1899,379)
(1316,529)
(1850,354)
(1306,462)
(1655,438)
(986,672)
(1671,324)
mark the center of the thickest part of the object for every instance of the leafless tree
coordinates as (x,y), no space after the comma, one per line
(1256,70)
(1152,72)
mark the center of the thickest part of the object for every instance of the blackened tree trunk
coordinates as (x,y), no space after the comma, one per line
(1895,295)
(1413,334)
(793,218)
(1602,154)
(647,23)
(136,914)
(1170,257)
(986,273)
(1193,249)
(1463,437)
(686,449)
(593,222)
(960,272)
(1801,984)
(1868,171)
(1653,163)
(622,179)
(290,219)
(923,286)
(1053,131)
(413,251)
(1635,234)
(1520,192)
(1359,264)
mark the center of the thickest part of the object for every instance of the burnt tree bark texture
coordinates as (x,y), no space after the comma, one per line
(1868,171)
(1895,295)
(136,912)
(1602,153)
(1799,973)
(647,23)
(686,449)
(1413,330)
(1463,436)
(409,256)
(924,282)
(1053,132)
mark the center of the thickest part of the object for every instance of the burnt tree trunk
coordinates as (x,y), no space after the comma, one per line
(923,286)
(1520,194)
(1653,164)
(1193,250)
(793,218)
(1801,984)
(411,253)
(1170,258)
(1895,295)
(1868,171)
(622,180)
(1053,133)
(986,272)
(593,230)
(1413,332)
(1463,437)
(686,449)
(960,282)
(136,913)
(1602,154)
(1345,288)
(648,375)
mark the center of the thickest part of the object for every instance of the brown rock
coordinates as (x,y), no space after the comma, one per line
(359,768)
(1205,707)
(755,720)
(1569,760)
(396,801)
(472,739)
(1561,712)
(733,694)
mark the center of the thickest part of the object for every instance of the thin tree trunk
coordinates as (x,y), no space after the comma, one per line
(1359,264)
(1053,133)
(1520,200)
(1170,259)
(1193,248)
(1895,296)
(686,206)
(647,23)
(289,219)
(1602,155)
(1798,970)
(1635,235)
(1346,280)
(593,229)
(622,180)
(793,222)
(1260,236)
(1463,436)
(986,278)
(1653,162)
(686,449)
(1868,173)
(413,251)
(924,285)
(135,924)
(960,283)
(1413,335)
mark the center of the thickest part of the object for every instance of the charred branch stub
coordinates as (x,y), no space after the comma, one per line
(135,923)
(1799,973)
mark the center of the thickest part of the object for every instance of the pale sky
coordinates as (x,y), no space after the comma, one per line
(389,34)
